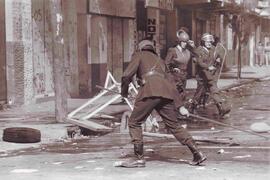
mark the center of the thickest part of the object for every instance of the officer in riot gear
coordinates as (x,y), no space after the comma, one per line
(177,60)
(156,93)
(206,65)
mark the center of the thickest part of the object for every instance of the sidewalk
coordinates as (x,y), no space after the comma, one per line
(41,116)
(229,79)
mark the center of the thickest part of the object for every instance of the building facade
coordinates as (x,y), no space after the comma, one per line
(101,35)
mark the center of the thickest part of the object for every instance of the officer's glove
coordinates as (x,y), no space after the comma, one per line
(183,111)
(191,43)
(211,68)
(176,70)
(218,60)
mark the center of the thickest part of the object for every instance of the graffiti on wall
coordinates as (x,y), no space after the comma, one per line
(42,58)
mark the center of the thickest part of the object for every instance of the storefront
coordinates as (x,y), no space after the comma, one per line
(106,41)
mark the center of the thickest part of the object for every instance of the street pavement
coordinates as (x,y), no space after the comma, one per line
(41,116)
(59,157)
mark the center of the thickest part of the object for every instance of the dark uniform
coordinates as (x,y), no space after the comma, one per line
(206,79)
(156,92)
(178,58)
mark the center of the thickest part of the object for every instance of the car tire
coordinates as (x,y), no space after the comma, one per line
(21,135)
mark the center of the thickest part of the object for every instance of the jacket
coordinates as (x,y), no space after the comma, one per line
(177,59)
(155,85)
(205,58)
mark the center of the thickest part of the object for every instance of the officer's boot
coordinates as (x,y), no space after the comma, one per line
(222,111)
(137,161)
(198,156)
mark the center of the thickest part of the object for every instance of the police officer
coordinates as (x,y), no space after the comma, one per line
(156,92)
(177,60)
(206,64)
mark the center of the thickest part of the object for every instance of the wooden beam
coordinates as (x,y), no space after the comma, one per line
(196,138)
(58,60)
(90,125)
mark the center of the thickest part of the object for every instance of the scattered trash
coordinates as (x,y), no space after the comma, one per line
(260,127)
(221,151)
(150,150)
(200,168)
(57,163)
(183,160)
(91,161)
(184,126)
(214,169)
(118,163)
(24,171)
(241,157)
(79,167)
(212,128)
(117,124)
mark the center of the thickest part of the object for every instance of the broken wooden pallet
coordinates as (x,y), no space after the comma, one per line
(90,125)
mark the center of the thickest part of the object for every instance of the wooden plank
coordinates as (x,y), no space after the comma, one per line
(118,55)
(81,6)
(84,68)
(3,82)
(121,8)
(129,41)
(48,49)
(90,125)
(70,47)
(196,138)
(57,22)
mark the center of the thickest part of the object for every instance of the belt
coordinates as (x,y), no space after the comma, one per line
(152,73)
(148,74)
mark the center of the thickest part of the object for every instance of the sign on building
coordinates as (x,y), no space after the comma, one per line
(160,4)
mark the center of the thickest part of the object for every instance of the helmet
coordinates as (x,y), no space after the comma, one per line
(208,37)
(182,36)
(145,43)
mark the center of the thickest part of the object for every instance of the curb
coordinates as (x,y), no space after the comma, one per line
(243,82)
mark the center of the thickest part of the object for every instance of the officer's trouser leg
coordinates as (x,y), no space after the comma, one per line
(218,101)
(142,109)
(168,113)
(200,91)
